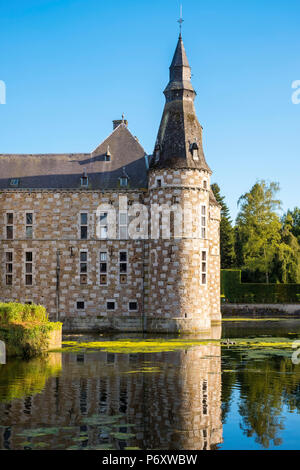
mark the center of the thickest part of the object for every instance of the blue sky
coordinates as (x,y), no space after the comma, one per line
(72,66)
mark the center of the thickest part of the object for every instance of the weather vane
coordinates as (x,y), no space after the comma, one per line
(181,20)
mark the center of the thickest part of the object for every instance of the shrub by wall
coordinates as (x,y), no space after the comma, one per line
(26,330)
(235,291)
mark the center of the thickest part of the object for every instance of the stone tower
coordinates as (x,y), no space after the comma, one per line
(184,268)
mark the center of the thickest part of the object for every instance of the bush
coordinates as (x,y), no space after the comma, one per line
(19,313)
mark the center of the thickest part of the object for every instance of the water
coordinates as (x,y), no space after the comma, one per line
(201,397)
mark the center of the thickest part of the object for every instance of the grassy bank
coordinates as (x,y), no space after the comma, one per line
(26,329)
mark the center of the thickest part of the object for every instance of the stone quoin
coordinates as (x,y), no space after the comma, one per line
(55,249)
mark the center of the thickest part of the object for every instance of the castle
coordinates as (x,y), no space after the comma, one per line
(75,234)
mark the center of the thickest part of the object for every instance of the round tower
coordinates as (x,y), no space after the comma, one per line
(184,262)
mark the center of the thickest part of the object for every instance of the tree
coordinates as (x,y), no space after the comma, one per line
(226,231)
(295,214)
(259,227)
(288,252)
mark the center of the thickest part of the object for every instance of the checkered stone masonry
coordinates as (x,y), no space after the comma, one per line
(178,298)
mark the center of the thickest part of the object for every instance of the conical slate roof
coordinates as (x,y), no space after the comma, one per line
(179,140)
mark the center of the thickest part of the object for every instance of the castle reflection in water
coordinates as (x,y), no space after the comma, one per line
(173,399)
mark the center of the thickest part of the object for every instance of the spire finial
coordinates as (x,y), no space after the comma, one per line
(180,21)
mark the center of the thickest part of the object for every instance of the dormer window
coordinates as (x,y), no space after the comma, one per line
(194,150)
(107,156)
(84,180)
(124,181)
(14,182)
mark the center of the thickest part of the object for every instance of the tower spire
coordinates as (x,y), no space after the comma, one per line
(179,140)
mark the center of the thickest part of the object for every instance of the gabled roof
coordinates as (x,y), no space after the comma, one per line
(64,171)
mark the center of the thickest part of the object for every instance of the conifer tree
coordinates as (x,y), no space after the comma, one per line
(226,231)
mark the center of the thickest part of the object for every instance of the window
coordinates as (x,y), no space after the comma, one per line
(9,268)
(84,181)
(83,267)
(194,150)
(158,182)
(205,184)
(203,268)
(103,268)
(29,225)
(123,181)
(203,221)
(103,224)
(84,226)
(133,306)
(28,268)
(14,182)
(123,267)
(123,226)
(111,305)
(9,226)
(80,305)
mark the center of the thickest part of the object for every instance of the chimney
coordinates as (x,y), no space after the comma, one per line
(117,123)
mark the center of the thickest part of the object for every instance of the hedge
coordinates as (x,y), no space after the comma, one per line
(235,291)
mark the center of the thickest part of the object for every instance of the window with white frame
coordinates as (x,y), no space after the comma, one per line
(83,267)
(203,267)
(103,225)
(29,225)
(28,268)
(83,226)
(103,267)
(123,266)
(203,221)
(123,225)
(9,258)
(110,305)
(133,306)
(80,305)
(9,225)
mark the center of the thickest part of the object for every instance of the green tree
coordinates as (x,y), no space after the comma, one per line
(259,227)
(226,231)
(288,255)
(295,214)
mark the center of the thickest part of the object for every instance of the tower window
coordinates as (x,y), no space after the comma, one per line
(158,182)
(203,268)
(205,184)
(194,150)
(203,221)
(80,305)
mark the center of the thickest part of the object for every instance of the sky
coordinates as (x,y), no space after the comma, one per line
(72,66)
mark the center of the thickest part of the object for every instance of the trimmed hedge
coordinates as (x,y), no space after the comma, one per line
(236,291)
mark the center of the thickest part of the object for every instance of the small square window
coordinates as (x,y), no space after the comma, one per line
(110,305)
(133,306)
(29,256)
(123,256)
(9,256)
(123,181)
(103,256)
(29,232)
(103,279)
(83,256)
(28,280)
(80,305)
(10,218)
(29,218)
(83,233)
(158,182)
(123,279)
(9,233)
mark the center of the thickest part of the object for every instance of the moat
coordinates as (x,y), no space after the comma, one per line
(136,395)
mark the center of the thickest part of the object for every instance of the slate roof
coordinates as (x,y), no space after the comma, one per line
(64,171)
(180,129)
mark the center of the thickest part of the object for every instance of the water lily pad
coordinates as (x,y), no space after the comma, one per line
(122,436)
